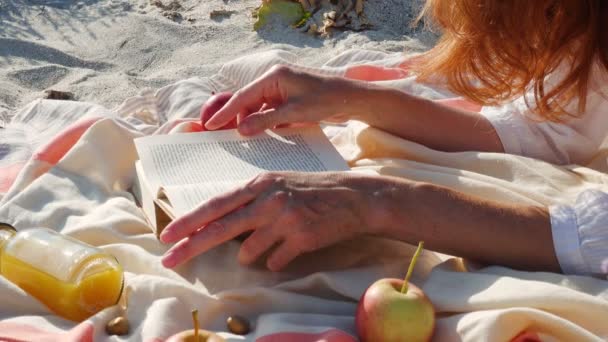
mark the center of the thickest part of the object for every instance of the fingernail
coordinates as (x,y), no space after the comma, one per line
(169,260)
(243,257)
(165,236)
(272,266)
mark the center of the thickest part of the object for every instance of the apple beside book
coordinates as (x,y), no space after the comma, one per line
(395,310)
(213,104)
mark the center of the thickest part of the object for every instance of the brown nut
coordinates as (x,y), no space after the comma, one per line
(238,325)
(118,326)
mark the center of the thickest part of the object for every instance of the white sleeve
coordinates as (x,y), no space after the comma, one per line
(575,141)
(580,234)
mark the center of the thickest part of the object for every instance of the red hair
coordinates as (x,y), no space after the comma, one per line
(492,51)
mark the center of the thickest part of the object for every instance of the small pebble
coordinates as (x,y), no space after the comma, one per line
(238,325)
(118,326)
(58,95)
(220,13)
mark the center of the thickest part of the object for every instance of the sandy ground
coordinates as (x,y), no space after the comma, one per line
(106,50)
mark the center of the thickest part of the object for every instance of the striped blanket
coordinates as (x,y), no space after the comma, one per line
(69,166)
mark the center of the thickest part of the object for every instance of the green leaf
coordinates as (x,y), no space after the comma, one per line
(290,11)
(304,19)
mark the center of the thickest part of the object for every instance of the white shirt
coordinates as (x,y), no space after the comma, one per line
(580,231)
(580,234)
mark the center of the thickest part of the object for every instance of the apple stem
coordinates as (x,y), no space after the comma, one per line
(405,285)
(195,321)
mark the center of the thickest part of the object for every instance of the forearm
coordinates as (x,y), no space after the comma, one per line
(457,224)
(424,121)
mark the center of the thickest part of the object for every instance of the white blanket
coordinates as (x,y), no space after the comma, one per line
(69,166)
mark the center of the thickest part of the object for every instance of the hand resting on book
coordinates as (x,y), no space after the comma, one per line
(301,212)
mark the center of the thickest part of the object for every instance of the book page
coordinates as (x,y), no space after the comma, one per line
(184,198)
(209,157)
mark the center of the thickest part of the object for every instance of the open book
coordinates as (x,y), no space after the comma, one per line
(177,172)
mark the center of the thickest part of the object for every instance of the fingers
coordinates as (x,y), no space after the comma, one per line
(258,122)
(283,255)
(250,98)
(222,219)
(257,244)
(223,230)
(211,211)
(275,208)
(194,245)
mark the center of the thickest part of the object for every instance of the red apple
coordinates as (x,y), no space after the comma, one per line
(386,314)
(213,104)
(395,310)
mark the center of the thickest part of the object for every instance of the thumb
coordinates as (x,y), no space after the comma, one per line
(258,122)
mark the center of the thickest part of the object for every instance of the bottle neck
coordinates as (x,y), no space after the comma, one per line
(6,233)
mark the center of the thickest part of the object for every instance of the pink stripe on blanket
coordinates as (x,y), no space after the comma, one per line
(8,174)
(17,332)
(54,150)
(379,73)
(374,73)
(407,63)
(331,335)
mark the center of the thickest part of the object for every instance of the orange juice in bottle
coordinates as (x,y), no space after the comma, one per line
(73,279)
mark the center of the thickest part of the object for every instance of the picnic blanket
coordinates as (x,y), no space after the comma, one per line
(69,166)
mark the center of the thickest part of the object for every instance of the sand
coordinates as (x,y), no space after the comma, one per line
(103,51)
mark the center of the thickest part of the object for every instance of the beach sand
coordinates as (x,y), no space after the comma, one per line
(104,51)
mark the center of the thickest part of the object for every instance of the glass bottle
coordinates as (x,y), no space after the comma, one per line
(73,279)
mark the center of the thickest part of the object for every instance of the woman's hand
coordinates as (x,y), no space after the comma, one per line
(285,96)
(293,213)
